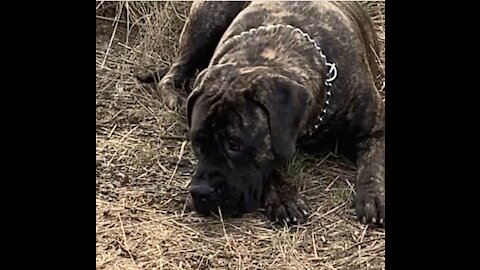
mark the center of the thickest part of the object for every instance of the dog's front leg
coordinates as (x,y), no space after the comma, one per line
(205,25)
(370,183)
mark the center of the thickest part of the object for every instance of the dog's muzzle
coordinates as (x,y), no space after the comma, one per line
(210,194)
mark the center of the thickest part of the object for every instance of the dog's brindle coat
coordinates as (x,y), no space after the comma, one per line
(258,95)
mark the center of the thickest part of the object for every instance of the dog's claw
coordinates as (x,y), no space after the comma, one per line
(370,206)
(289,210)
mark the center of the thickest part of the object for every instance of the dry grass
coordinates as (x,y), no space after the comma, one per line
(144,165)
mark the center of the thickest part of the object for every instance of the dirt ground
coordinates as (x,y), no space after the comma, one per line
(144,164)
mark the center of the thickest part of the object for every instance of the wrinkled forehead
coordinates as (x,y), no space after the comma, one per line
(237,117)
(246,118)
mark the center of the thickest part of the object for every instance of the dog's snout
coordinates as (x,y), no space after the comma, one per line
(201,192)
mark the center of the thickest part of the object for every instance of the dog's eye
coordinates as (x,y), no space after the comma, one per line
(234,146)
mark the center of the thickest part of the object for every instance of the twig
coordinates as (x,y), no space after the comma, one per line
(364,242)
(379,62)
(352,188)
(135,50)
(185,204)
(111,131)
(128,23)
(173,138)
(223,225)
(125,239)
(109,19)
(323,159)
(182,149)
(127,207)
(99,5)
(129,226)
(331,184)
(362,235)
(128,134)
(111,39)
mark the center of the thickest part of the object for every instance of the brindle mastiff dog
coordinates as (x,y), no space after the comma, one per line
(272,74)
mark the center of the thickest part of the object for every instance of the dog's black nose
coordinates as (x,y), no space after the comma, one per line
(201,192)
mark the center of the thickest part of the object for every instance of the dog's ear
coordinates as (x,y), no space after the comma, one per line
(197,91)
(286,103)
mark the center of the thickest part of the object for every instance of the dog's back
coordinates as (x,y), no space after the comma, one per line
(369,36)
(335,25)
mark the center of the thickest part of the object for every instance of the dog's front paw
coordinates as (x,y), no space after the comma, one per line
(370,205)
(283,206)
(168,93)
(151,76)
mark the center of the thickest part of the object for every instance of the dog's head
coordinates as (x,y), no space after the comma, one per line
(243,124)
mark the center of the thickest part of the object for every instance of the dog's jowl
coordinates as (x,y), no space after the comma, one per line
(272,73)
